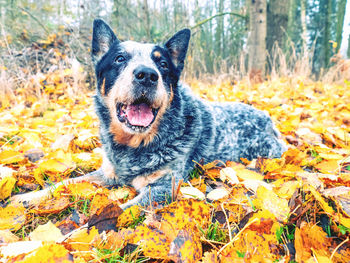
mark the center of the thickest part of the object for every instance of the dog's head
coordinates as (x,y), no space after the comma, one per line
(136,81)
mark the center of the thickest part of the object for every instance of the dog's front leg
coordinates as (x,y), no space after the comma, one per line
(35,196)
(155,187)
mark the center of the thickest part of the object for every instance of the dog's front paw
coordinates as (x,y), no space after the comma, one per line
(30,198)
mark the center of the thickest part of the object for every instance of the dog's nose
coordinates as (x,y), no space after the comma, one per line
(146,76)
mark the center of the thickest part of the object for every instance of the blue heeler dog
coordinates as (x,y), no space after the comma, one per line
(152,127)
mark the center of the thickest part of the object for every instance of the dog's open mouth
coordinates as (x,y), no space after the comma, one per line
(138,116)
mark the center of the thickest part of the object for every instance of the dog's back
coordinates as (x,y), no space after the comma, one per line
(226,131)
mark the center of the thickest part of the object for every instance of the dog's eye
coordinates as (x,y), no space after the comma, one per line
(163,64)
(120,59)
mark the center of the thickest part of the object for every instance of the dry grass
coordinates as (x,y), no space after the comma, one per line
(64,59)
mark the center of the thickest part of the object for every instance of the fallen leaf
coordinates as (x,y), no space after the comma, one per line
(10,156)
(229,174)
(12,217)
(6,185)
(267,199)
(81,240)
(192,192)
(49,253)
(18,248)
(309,238)
(186,247)
(217,194)
(106,217)
(129,216)
(47,232)
(6,236)
(52,206)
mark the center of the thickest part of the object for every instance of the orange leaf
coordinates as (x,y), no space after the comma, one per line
(52,206)
(310,237)
(153,242)
(186,247)
(129,216)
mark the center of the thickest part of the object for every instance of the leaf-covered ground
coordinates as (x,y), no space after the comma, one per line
(293,209)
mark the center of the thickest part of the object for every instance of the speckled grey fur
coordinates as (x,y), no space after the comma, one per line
(191,129)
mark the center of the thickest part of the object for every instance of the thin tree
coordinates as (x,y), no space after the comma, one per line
(257,37)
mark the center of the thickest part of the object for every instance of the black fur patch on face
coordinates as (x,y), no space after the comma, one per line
(110,67)
(170,74)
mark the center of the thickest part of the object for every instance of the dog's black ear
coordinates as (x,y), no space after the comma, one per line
(102,39)
(177,47)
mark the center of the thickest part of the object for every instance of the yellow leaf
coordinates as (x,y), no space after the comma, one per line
(288,188)
(82,189)
(328,166)
(6,186)
(10,156)
(268,199)
(39,176)
(51,252)
(81,239)
(330,156)
(53,165)
(47,232)
(345,221)
(12,217)
(245,174)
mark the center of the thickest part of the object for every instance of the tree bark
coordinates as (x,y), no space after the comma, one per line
(277,23)
(219,31)
(341,8)
(303,26)
(257,37)
(327,32)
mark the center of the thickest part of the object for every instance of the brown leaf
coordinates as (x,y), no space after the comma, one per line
(106,218)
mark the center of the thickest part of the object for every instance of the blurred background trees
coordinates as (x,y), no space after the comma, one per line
(232,37)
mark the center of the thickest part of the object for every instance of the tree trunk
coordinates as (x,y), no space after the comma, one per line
(327,32)
(340,22)
(257,38)
(277,23)
(303,26)
(219,31)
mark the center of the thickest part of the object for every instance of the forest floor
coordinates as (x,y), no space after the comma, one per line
(292,209)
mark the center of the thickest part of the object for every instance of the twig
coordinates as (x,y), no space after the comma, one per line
(228,223)
(35,19)
(216,15)
(238,234)
(333,253)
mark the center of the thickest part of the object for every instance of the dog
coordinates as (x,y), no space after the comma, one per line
(152,127)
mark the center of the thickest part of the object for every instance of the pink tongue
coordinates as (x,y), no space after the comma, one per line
(139,114)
